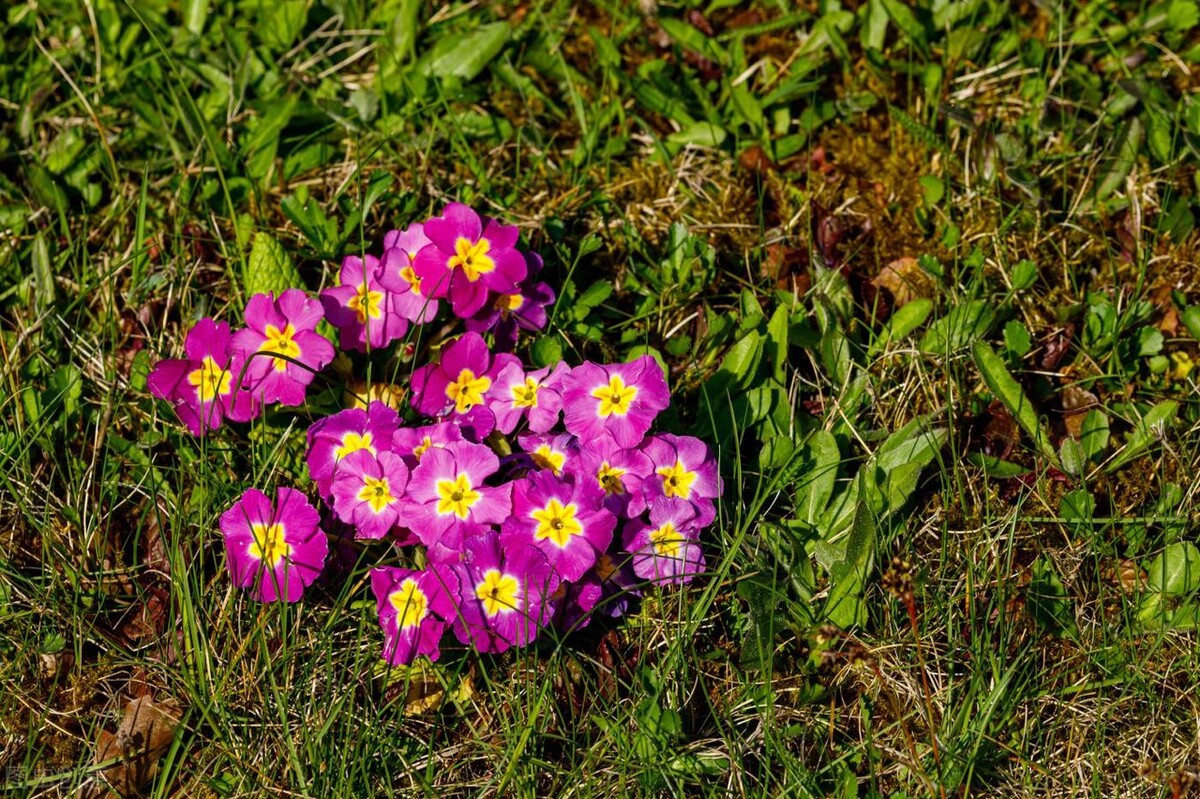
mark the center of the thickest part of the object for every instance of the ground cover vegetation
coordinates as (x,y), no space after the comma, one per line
(921,278)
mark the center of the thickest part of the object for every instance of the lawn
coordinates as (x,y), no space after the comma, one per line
(924,277)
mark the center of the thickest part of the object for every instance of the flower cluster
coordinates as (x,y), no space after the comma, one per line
(539,496)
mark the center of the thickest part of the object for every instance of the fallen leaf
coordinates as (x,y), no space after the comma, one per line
(905,280)
(1076,402)
(143,736)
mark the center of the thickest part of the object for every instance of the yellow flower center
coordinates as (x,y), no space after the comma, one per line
(667,542)
(366,304)
(525,396)
(506,304)
(353,442)
(377,493)
(472,258)
(498,592)
(615,397)
(409,276)
(467,390)
(267,543)
(419,450)
(410,602)
(610,478)
(210,380)
(546,458)
(456,496)
(556,522)
(677,481)
(281,342)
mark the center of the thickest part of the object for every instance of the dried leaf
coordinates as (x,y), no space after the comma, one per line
(1076,402)
(143,736)
(905,280)
(1055,345)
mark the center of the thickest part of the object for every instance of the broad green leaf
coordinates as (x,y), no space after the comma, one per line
(1093,436)
(907,22)
(702,134)
(1009,392)
(742,359)
(1176,571)
(269,268)
(957,329)
(1129,142)
(813,493)
(905,320)
(777,342)
(995,467)
(1146,431)
(1048,601)
(459,55)
(1072,456)
(844,606)
(547,351)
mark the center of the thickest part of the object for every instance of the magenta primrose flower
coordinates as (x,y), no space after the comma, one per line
(448,501)
(505,594)
(618,471)
(282,327)
(414,608)
(552,453)
(411,443)
(468,259)
(666,550)
(277,550)
(534,396)
(620,400)
(361,308)
(684,471)
(396,274)
(506,315)
(367,489)
(203,387)
(333,438)
(458,382)
(566,521)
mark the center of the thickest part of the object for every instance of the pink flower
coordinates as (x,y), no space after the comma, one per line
(278,550)
(552,453)
(282,327)
(360,308)
(684,471)
(396,274)
(618,471)
(619,400)
(505,315)
(468,259)
(414,608)
(505,594)
(203,387)
(666,550)
(517,394)
(448,501)
(411,443)
(333,438)
(367,490)
(566,521)
(459,381)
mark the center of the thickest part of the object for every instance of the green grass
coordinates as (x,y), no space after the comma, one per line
(919,583)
